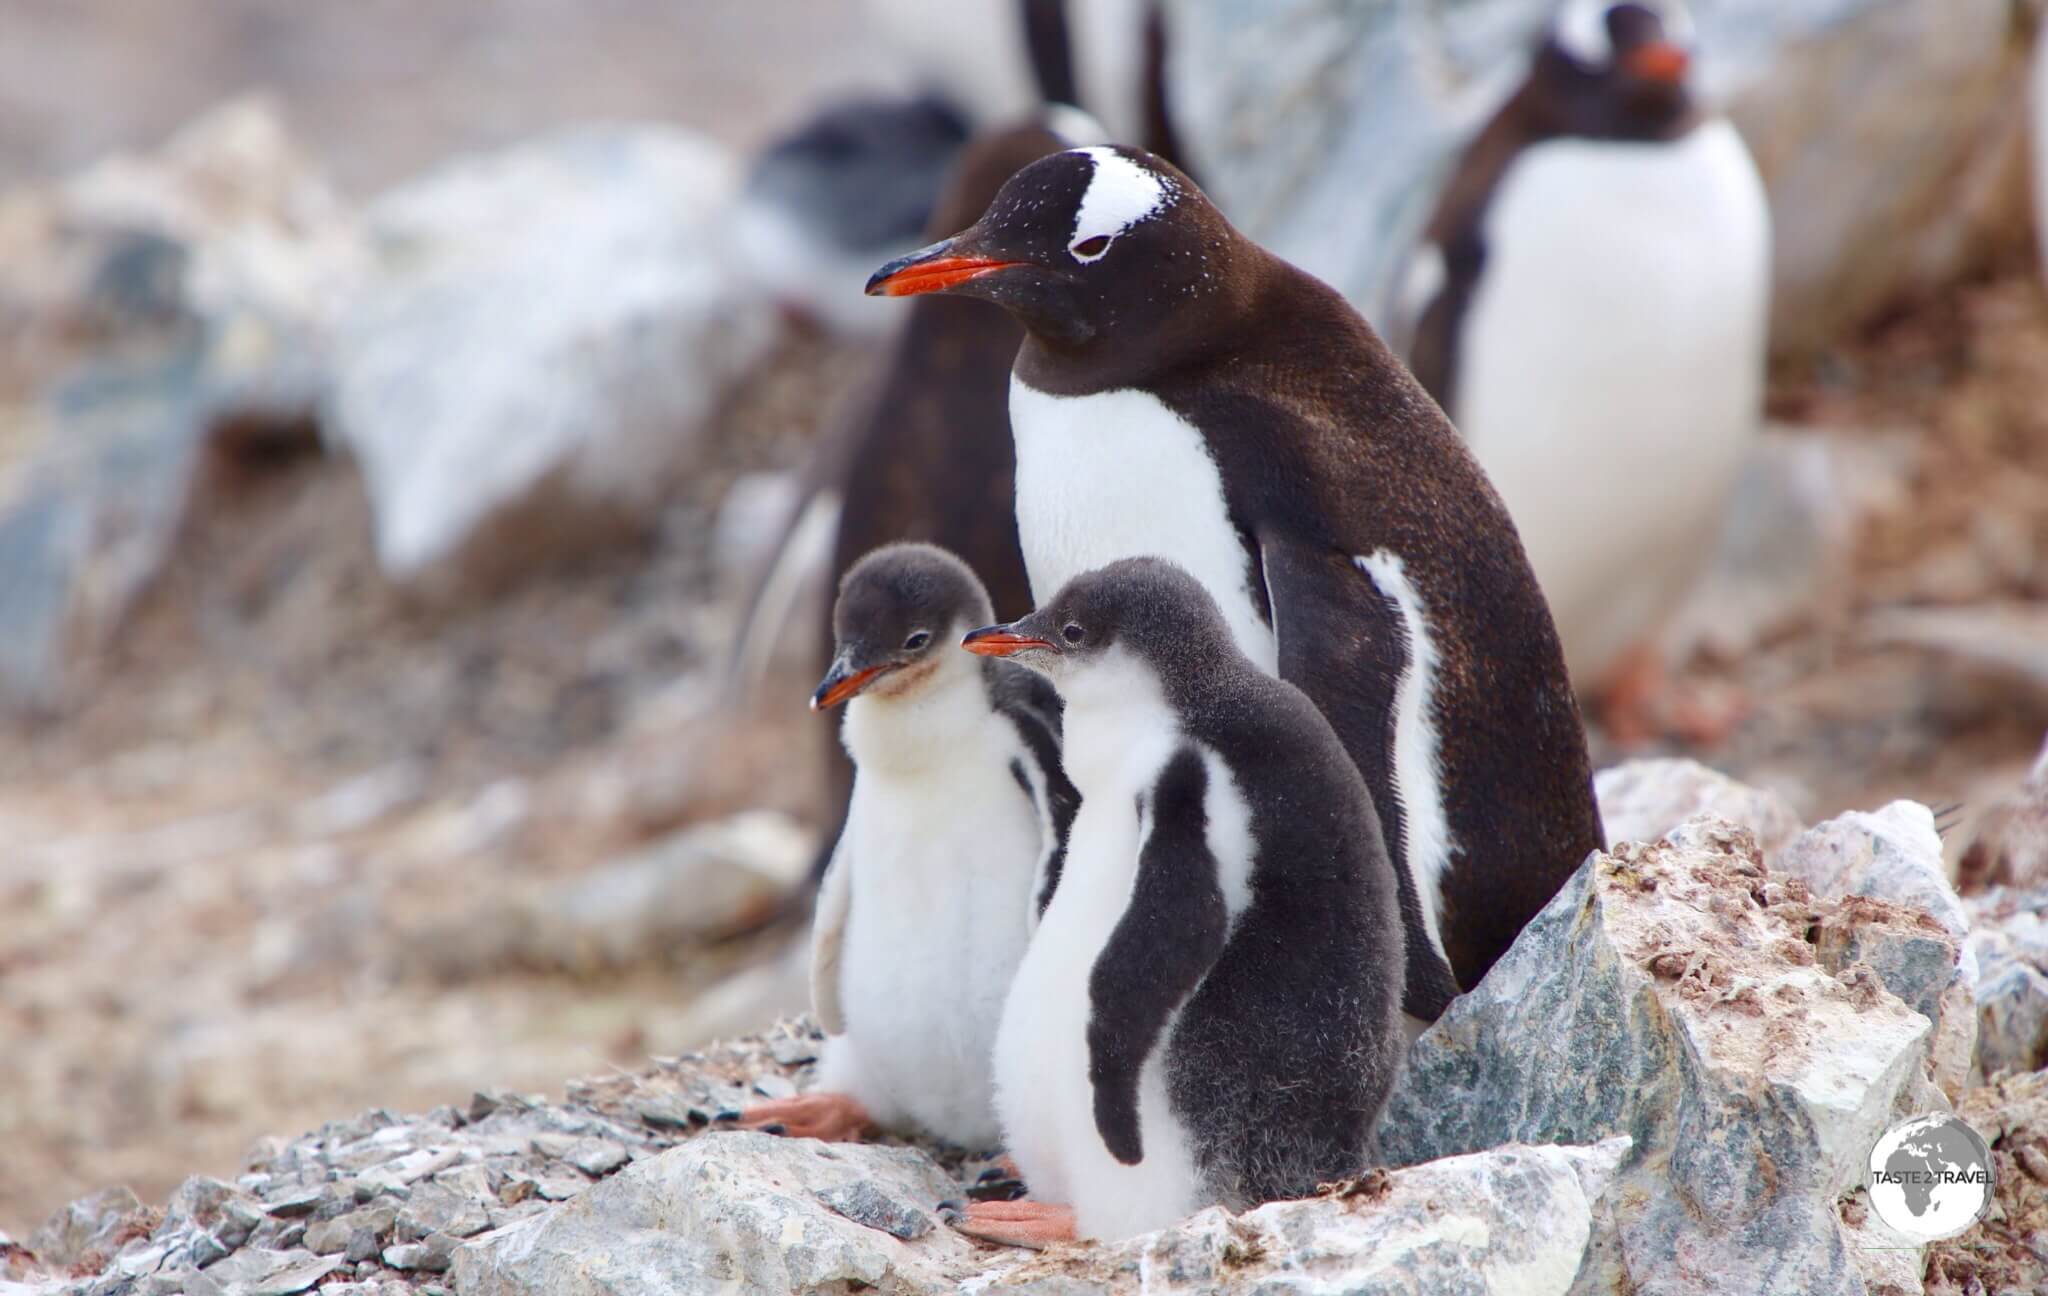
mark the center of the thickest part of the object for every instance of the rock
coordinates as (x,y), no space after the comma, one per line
(1669,993)
(1919,961)
(596,1157)
(2009,940)
(1642,800)
(1324,131)
(863,1203)
(327,1237)
(1891,854)
(164,304)
(732,1210)
(250,1272)
(87,1226)
(1513,1220)
(543,334)
(2008,1249)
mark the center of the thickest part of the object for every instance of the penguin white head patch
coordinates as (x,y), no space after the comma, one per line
(1120,193)
(1581,28)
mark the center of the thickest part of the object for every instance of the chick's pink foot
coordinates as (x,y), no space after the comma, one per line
(833,1117)
(1018,1223)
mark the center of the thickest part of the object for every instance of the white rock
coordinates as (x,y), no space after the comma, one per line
(1516,1221)
(1323,129)
(2009,938)
(549,326)
(1642,800)
(1890,854)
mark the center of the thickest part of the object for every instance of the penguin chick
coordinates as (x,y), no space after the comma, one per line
(1210,1011)
(954,834)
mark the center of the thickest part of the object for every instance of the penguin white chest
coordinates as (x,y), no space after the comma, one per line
(1117,474)
(942,859)
(1610,370)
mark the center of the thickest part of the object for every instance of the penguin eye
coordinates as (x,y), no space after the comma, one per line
(1073,634)
(1090,248)
(918,639)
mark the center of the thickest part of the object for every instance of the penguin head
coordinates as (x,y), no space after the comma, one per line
(1150,609)
(1611,70)
(1083,247)
(898,612)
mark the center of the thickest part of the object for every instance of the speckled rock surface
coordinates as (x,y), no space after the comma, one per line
(1669,992)
(1889,854)
(2009,939)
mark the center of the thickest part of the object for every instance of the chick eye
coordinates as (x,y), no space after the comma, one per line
(1072,633)
(918,639)
(1090,248)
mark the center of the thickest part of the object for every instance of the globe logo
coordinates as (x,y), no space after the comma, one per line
(1930,1177)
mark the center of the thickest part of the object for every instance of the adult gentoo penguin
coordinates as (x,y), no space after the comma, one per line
(955,832)
(1591,305)
(1181,391)
(1211,1008)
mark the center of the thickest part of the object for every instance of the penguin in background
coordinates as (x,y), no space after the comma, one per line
(926,453)
(1590,304)
(953,841)
(1181,391)
(1210,1011)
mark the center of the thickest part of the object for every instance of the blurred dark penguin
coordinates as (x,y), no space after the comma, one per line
(823,201)
(1210,1010)
(1590,305)
(1181,391)
(927,453)
(954,834)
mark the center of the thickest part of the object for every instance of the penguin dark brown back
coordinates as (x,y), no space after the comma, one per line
(1183,392)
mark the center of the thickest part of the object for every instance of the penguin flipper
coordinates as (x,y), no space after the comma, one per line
(828,943)
(1170,935)
(1321,596)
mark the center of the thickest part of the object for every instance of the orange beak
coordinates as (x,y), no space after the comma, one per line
(1001,641)
(837,686)
(1660,61)
(913,274)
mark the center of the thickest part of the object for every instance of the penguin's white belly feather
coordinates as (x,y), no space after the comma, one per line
(1119,475)
(942,864)
(1043,1092)
(1610,371)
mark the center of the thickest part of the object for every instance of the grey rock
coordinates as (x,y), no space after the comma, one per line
(441,1208)
(294,1202)
(2009,937)
(731,1210)
(1642,800)
(327,1237)
(251,1272)
(544,332)
(1920,962)
(775,1086)
(596,1157)
(363,1245)
(1323,130)
(84,1226)
(1668,992)
(863,1203)
(206,1248)
(201,1202)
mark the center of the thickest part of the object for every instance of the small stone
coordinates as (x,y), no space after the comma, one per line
(206,1248)
(792,1050)
(295,1202)
(867,1205)
(559,1188)
(596,1157)
(775,1086)
(362,1245)
(406,1255)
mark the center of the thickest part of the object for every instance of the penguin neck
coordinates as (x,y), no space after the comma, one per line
(928,725)
(1118,724)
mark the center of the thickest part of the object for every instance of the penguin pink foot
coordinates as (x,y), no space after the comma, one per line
(833,1117)
(1018,1223)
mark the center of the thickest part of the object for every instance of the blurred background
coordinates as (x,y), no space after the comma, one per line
(400,405)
